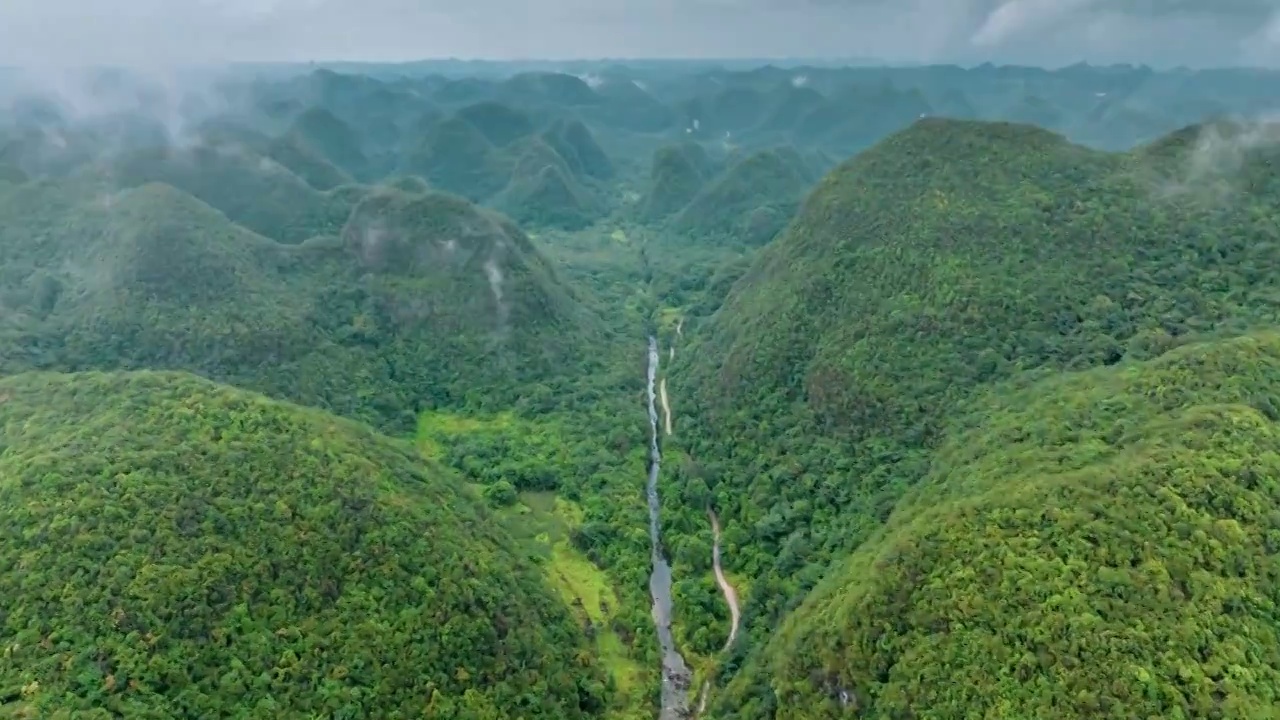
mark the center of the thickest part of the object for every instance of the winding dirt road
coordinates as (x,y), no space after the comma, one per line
(666,407)
(730,595)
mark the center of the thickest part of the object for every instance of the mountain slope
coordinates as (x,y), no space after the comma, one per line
(750,202)
(948,257)
(175,548)
(424,301)
(250,188)
(1097,544)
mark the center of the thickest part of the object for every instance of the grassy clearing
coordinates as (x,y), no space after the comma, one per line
(543,521)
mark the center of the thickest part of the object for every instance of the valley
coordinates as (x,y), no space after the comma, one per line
(646,392)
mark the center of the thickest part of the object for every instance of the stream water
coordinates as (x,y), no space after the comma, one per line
(676,676)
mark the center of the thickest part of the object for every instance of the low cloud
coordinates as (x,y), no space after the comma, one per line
(158,33)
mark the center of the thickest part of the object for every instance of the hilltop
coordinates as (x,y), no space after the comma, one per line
(423,300)
(1091,544)
(949,257)
(492,153)
(177,548)
(750,201)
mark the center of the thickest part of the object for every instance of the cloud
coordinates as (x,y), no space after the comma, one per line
(155,32)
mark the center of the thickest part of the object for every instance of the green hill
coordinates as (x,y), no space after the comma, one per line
(678,173)
(333,139)
(250,188)
(546,192)
(175,548)
(575,143)
(750,202)
(1097,544)
(454,155)
(500,124)
(950,256)
(424,301)
(309,165)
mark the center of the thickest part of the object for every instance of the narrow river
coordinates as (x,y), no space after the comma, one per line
(676,676)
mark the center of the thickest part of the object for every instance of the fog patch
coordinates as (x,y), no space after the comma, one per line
(1220,155)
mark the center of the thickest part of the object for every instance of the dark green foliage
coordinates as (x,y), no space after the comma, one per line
(545,191)
(902,337)
(332,138)
(1095,545)
(425,301)
(575,143)
(454,155)
(500,494)
(252,189)
(172,548)
(677,175)
(948,257)
(306,163)
(750,202)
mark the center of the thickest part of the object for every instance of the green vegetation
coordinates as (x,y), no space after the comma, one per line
(985,415)
(424,301)
(678,174)
(333,139)
(175,548)
(952,256)
(1092,544)
(250,188)
(750,202)
(573,512)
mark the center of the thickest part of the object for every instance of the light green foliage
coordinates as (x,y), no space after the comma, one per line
(906,352)
(173,548)
(1095,544)
(948,257)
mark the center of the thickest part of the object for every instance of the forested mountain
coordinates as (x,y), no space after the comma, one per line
(176,548)
(952,258)
(332,392)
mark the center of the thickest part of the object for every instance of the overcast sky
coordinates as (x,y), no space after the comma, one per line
(1048,32)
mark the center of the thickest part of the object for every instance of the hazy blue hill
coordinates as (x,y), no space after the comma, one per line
(577,145)
(551,87)
(790,105)
(252,189)
(678,173)
(628,106)
(309,165)
(464,90)
(731,109)
(456,156)
(333,139)
(224,555)
(862,115)
(499,123)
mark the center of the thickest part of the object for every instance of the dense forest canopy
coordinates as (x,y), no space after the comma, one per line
(327,391)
